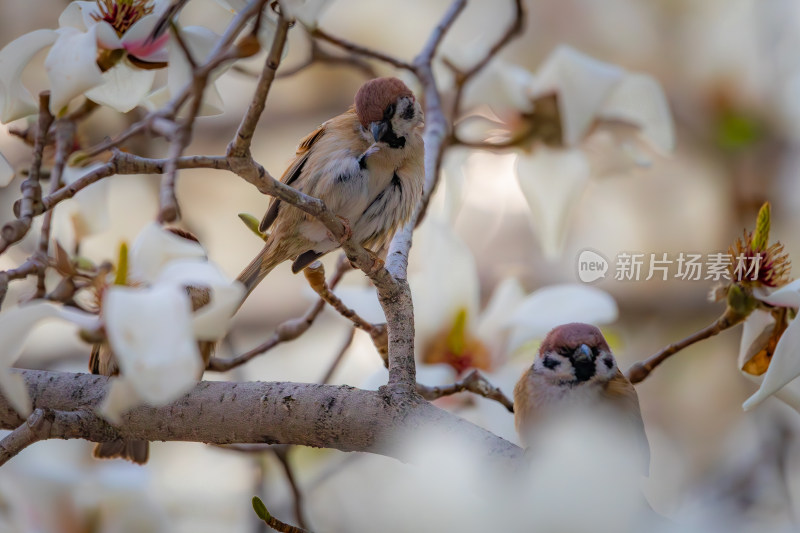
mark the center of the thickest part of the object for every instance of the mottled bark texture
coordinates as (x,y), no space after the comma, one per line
(214,412)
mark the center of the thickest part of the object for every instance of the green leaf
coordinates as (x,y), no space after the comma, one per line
(122,265)
(260,509)
(252,224)
(737,131)
(761,235)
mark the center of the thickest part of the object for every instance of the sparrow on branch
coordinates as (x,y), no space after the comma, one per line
(366,165)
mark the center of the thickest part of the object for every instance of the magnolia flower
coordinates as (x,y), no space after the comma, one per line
(769,347)
(101,49)
(573,107)
(150,326)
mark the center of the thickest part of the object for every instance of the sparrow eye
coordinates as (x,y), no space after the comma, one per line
(389,112)
(550,363)
(564,351)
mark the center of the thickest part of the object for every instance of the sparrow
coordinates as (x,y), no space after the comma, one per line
(575,369)
(102,362)
(366,165)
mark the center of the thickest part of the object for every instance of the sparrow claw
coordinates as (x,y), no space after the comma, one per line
(348,231)
(377,263)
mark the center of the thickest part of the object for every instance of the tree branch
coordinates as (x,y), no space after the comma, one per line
(473,382)
(639,371)
(326,416)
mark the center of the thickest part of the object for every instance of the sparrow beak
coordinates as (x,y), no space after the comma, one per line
(378,130)
(583,354)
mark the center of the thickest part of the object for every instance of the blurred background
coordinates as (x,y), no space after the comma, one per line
(731,74)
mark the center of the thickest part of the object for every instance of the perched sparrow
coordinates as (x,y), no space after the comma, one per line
(365,164)
(575,369)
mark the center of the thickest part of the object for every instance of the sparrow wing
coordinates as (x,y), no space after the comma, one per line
(292,173)
(621,392)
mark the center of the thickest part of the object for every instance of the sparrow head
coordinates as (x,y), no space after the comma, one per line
(575,354)
(386,108)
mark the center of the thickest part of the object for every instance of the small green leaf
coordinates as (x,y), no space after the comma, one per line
(260,509)
(761,235)
(122,265)
(737,131)
(84,263)
(252,224)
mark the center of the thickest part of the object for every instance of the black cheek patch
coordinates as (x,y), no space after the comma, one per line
(608,362)
(408,113)
(550,363)
(393,140)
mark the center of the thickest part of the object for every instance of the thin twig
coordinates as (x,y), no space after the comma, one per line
(319,55)
(240,145)
(15,230)
(362,50)
(286,331)
(65,132)
(339,356)
(315,274)
(473,382)
(639,371)
(435,38)
(282,453)
(515,27)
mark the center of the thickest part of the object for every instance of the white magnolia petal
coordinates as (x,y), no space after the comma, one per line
(502,86)
(786,296)
(15,100)
(554,305)
(494,320)
(582,84)
(107,36)
(211,321)
(14,389)
(79,15)
(137,40)
(120,397)
(72,16)
(784,366)
(753,327)
(124,87)
(89,208)
(552,182)
(72,66)
(306,11)
(155,247)
(640,100)
(6,171)
(150,333)
(15,327)
(16,324)
(446,280)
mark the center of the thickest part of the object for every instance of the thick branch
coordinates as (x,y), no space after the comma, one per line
(325,416)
